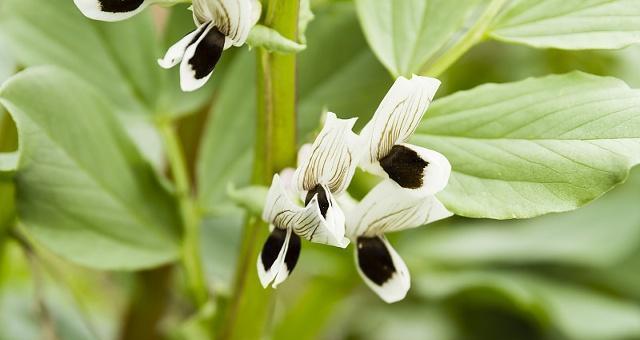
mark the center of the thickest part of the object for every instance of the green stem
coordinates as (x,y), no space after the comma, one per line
(473,36)
(248,311)
(191,258)
(147,305)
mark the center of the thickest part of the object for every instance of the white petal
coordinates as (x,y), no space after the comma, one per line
(271,260)
(382,269)
(331,230)
(333,157)
(200,58)
(176,52)
(111,10)
(303,154)
(420,170)
(388,208)
(290,259)
(397,117)
(308,221)
(256,11)
(234,18)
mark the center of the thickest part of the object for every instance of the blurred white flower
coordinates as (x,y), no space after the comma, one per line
(112,10)
(324,172)
(220,25)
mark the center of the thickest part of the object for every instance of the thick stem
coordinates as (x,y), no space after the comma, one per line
(191,258)
(248,311)
(474,35)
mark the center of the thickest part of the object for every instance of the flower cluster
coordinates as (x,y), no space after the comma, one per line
(403,199)
(220,24)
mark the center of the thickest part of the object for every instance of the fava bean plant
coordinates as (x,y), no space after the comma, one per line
(319,169)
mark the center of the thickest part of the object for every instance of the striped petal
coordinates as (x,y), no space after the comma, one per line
(319,221)
(233,18)
(396,118)
(332,159)
(387,208)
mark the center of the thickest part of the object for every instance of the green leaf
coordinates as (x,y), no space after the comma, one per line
(7,62)
(226,146)
(541,145)
(348,81)
(271,40)
(544,239)
(8,164)
(570,24)
(82,188)
(119,59)
(406,35)
(577,312)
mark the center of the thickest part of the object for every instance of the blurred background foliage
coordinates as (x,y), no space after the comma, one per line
(572,275)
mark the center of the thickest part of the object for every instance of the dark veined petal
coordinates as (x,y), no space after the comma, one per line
(421,170)
(200,58)
(396,118)
(233,18)
(332,159)
(307,222)
(278,257)
(381,268)
(111,10)
(387,208)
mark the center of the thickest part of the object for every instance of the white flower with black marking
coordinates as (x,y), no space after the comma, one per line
(324,172)
(112,10)
(387,153)
(386,208)
(220,25)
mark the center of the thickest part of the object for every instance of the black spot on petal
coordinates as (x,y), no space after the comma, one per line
(272,247)
(375,260)
(119,6)
(323,200)
(404,166)
(293,252)
(207,53)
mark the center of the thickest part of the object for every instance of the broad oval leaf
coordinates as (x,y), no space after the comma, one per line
(536,146)
(348,81)
(407,34)
(227,143)
(544,239)
(82,188)
(7,62)
(117,59)
(570,24)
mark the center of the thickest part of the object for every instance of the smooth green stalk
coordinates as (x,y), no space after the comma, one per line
(476,34)
(191,258)
(249,309)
